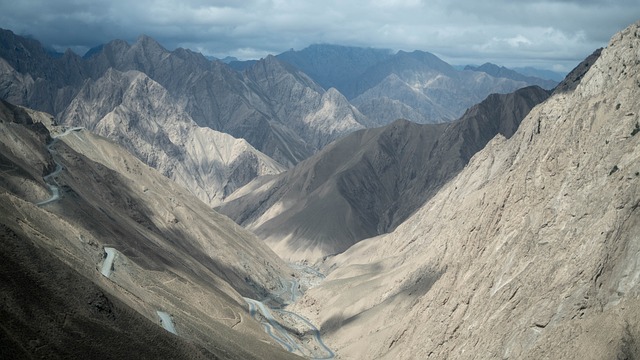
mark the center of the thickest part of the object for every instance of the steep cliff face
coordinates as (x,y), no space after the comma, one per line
(530,252)
(371,181)
(168,253)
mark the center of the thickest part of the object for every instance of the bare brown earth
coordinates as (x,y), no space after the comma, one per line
(531,252)
(173,254)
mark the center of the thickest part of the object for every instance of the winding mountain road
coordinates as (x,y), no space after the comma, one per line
(272,326)
(50,179)
(289,340)
(316,335)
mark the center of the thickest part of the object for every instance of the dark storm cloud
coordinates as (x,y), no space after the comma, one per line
(538,32)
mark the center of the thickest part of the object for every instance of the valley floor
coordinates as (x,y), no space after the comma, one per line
(292,331)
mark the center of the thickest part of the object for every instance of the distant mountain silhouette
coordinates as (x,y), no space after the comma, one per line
(503,72)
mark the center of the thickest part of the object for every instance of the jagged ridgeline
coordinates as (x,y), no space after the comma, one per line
(168,108)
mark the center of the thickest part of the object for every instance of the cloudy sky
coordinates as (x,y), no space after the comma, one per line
(551,34)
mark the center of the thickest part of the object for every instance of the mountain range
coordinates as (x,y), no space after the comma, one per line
(511,232)
(417,86)
(503,72)
(278,109)
(370,181)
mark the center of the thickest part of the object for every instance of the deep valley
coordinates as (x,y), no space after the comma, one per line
(328,203)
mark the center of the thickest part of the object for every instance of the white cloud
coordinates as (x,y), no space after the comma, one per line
(518,41)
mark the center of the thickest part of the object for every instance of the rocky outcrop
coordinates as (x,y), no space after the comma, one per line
(530,252)
(172,254)
(369,182)
(575,76)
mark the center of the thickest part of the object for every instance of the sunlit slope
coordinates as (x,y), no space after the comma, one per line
(529,253)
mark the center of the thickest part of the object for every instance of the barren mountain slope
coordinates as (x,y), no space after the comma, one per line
(170,253)
(141,115)
(531,252)
(315,115)
(277,109)
(369,182)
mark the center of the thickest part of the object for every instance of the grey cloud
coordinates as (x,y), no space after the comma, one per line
(547,32)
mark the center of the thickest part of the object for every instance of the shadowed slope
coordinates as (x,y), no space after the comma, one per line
(369,182)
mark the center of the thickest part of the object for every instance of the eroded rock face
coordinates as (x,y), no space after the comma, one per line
(316,116)
(530,252)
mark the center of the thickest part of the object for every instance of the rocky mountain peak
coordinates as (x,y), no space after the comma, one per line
(191,56)
(116,46)
(146,40)
(618,65)
(148,45)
